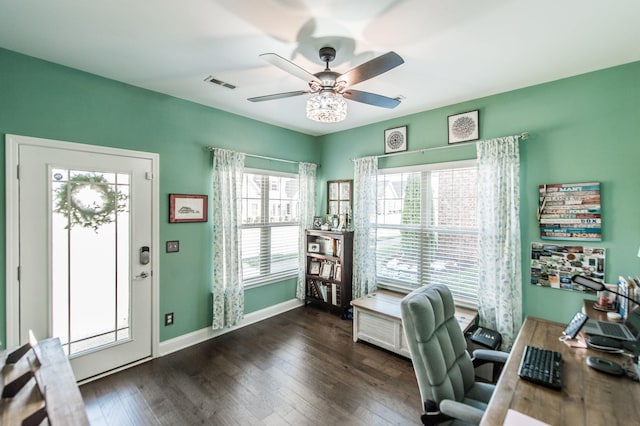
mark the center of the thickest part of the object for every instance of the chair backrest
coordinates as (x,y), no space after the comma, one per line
(442,365)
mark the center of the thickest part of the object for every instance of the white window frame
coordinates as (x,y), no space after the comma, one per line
(265,247)
(398,286)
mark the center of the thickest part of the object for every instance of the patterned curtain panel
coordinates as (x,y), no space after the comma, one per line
(307,194)
(228,293)
(364,222)
(499,262)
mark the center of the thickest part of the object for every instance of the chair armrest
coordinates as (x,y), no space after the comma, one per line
(461,411)
(484,356)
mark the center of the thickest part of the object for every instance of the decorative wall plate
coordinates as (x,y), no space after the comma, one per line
(464,127)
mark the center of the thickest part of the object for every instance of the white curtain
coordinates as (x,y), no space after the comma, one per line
(499,264)
(364,220)
(307,191)
(228,293)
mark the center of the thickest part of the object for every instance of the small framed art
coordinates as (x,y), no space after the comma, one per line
(314,268)
(313,247)
(317,222)
(187,208)
(395,140)
(464,127)
(337,275)
(327,269)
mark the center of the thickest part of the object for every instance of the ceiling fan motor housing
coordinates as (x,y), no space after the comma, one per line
(327,81)
(327,54)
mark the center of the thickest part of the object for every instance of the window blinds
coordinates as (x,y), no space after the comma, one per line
(427,229)
(270,227)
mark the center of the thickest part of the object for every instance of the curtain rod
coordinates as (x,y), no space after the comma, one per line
(522,136)
(213,148)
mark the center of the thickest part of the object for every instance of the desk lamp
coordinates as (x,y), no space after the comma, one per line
(597,286)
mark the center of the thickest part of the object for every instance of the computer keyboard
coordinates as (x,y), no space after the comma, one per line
(612,329)
(541,366)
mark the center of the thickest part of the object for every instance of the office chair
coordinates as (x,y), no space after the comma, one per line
(444,370)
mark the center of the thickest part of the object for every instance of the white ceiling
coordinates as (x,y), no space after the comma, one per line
(454,50)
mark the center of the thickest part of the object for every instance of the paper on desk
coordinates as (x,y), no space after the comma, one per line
(515,418)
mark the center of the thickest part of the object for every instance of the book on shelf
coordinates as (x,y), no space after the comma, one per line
(329,246)
(323,290)
(336,294)
(634,284)
(337,272)
(314,291)
(333,294)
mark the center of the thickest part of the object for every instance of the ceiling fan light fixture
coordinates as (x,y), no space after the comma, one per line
(326,107)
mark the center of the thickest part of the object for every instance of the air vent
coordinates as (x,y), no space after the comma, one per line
(213,80)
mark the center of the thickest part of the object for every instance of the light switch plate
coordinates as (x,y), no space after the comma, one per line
(173,246)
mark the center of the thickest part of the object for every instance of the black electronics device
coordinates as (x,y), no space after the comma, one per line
(605,366)
(633,347)
(575,325)
(486,337)
(605,344)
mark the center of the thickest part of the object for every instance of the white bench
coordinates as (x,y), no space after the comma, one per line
(377,320)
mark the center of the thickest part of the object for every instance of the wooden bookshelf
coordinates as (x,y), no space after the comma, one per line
(329,268)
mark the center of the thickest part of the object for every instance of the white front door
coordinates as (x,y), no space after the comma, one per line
(85,251)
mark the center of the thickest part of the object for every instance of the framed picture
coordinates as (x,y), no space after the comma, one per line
(313,247)
(568,198)
(317,222)
(327,268)
(553,265)
(464,127)
(395,140)
(337,276)
(314,267)
(187,208)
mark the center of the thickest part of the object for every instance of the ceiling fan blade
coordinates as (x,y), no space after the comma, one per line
(289,67)
(370,98)
(372,68)
(278,96)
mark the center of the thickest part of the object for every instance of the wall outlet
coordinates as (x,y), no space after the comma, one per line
(168,318)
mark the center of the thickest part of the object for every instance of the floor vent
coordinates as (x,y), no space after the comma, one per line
(213,80)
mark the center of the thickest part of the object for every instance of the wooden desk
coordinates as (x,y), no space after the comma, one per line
(588,397)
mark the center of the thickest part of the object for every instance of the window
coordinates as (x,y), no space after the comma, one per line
(427,228)
(270,226)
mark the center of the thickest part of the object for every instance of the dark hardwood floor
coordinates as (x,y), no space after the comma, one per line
(298,368)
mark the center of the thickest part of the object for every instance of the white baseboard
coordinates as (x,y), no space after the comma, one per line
(199,336)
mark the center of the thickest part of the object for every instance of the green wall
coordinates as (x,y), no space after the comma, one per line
(46,100)
(582,129)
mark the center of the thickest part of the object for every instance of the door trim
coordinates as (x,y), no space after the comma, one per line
(12,144)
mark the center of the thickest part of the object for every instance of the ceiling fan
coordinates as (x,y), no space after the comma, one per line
(329,87)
